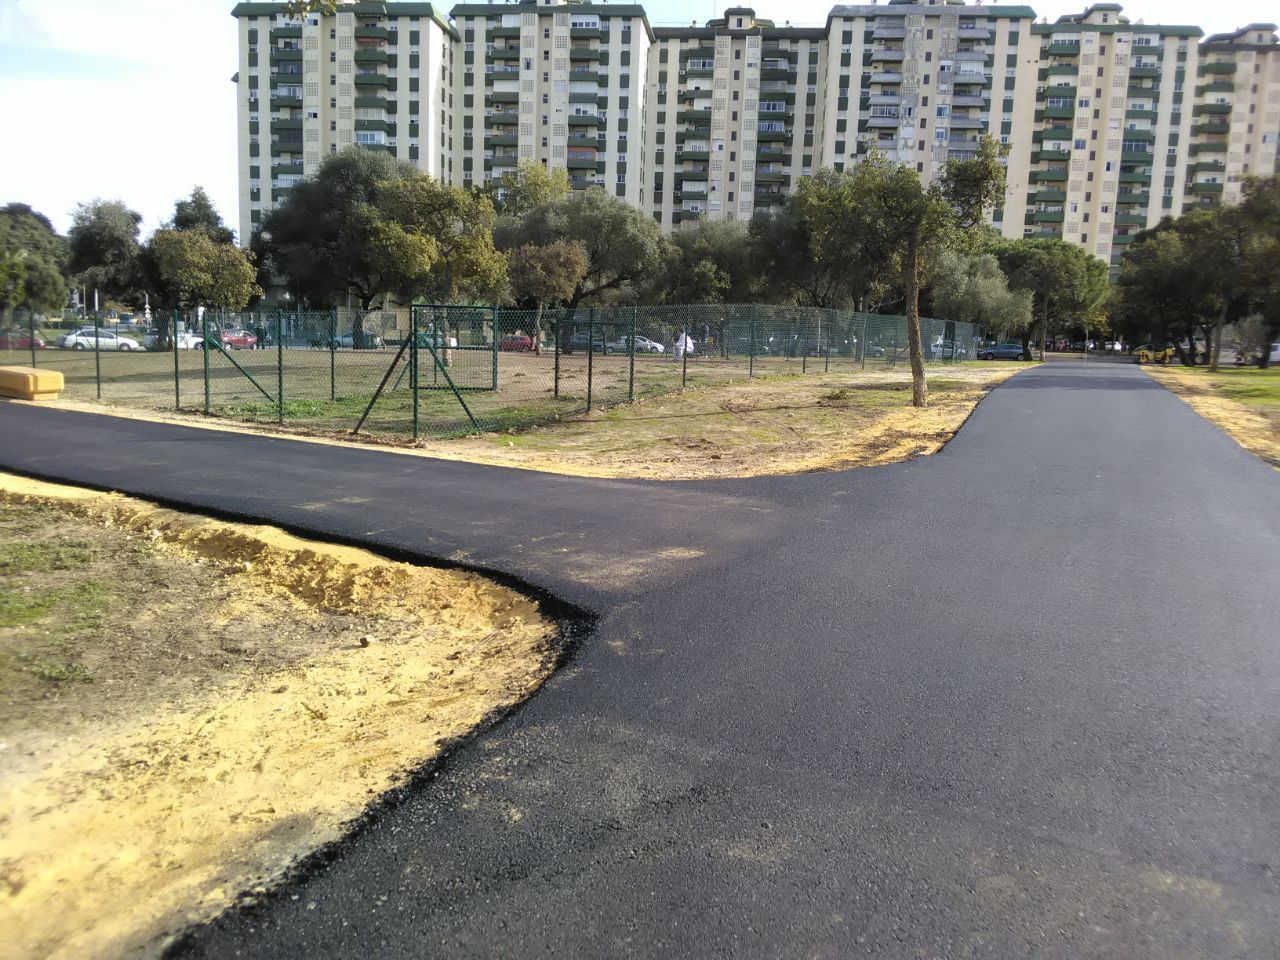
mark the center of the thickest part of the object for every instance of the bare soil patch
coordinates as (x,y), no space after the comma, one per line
(765,426)
(187,707)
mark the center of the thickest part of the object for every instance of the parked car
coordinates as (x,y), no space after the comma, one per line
(579,342)
(946,350)
(238,339)
(516,343)
(875,350)
(82,338)
(1008,350)
(186,341)
(19,340)
(643,345)
(368,341)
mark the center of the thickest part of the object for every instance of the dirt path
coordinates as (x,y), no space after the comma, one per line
(190,706)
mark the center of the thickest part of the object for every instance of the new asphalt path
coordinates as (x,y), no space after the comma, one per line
(1017,699)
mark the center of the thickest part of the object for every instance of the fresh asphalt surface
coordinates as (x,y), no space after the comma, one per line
(1016,699)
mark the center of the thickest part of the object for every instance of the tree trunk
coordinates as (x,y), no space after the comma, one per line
(537,332)
(1044,327)
(1217,341)
(919,388)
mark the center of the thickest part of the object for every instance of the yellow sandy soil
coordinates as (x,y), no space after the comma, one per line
(113,841)
(1257,430)
(762,427)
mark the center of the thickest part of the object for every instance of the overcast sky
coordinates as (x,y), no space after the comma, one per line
(132,99)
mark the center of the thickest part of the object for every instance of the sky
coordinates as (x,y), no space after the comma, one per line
(133,100)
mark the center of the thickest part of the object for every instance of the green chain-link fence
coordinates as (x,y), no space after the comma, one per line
(444,370)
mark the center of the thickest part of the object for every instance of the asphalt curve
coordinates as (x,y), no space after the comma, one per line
(1015,699)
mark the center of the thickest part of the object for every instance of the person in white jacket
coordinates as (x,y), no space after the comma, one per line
(684,344)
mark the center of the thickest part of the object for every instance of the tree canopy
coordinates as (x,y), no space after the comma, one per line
(191,269)
(197,212)
(33,261)
(104,247)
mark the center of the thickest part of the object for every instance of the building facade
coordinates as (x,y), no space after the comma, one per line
(1108,125)
(1237,114)
(375,74)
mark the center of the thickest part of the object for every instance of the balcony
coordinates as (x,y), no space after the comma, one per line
(1213,109)
(1133,114)
(692,116)
(1142,178)
(1131,219)
(372,56)
(886,77)
(581,163)
(1063,50)
(965,123)
(693,156)
(971,56)
(889,33)
(582,96)
(1142,72)
(372,80)
(695,133)
(506,160)
(506,119)
(382,125)
(1065,90)
(773,176)
(583,53)
(890,123)
(492,32)
(286,169)
(695,93)
(502,96)
(501,140)
(583,120)
(371,103)
(974,33)
(580,141)
(1126,196)
(285,56)
(1049,176)
(1216,69)
(1217,86)
(372,33)
(279,103)
(773,135)
(1051,133)
(1056,113)
(1210,146)
(1060,70)
(1047,216)
(886,56)
(504,73)
(1051,196)
(967,100)
(969,78)
(588,33)
(1206,188)
(285,33)
(504,53)
(1209,166)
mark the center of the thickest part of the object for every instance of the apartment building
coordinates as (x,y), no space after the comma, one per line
(377,74)
(1237,114)
(732,116)
(1109,124)
(556,83)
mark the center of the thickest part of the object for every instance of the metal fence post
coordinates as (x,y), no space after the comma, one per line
(177,374)
(413,366)
(864,341)
(31,334)
(493,330)
(555,339)
(684,352)
(333,353)
(631,371)
(591,350)
(826,363)
(279,368)
(97,354)
(751,346)
(204,339)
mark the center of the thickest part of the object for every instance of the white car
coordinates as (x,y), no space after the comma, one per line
(186,341)
(643,345)
(83,339)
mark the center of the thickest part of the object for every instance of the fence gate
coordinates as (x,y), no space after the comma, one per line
(448,352)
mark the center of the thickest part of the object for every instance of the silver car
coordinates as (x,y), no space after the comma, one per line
(85,338)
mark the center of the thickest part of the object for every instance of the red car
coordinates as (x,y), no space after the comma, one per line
(18,340)
(239,339)
(517,342)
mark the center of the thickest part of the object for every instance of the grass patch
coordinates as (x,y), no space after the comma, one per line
(63,672)
(1244,402)
(45,555)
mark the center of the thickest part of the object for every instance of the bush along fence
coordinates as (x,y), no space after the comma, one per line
(447,370)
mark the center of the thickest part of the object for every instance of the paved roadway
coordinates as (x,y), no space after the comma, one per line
(1015,699)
